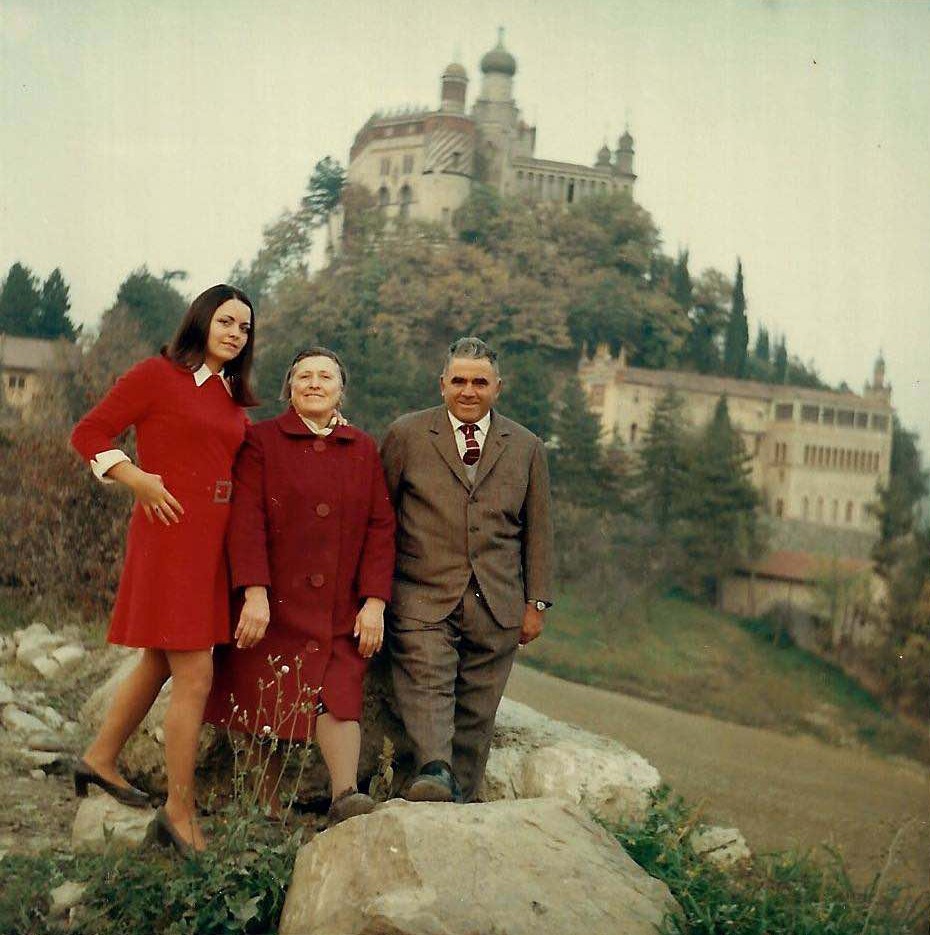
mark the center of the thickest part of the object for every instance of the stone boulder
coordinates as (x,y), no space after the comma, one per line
(101,821)
(508,868)
(143,759)
(533,756)
(724,847)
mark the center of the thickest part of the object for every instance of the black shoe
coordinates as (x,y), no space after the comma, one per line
(162,832)
(348,804)
(434,783)
(85,775)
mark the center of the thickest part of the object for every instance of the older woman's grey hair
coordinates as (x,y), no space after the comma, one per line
(315,351)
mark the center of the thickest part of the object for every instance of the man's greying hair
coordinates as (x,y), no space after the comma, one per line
(471,348)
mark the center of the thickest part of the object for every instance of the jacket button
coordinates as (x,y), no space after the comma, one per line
(317,580)
(323,509)
(311,646)
(319,445)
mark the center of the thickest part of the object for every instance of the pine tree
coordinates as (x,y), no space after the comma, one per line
(664,460)
(53,306)
(578,468)
(781,361)
(737,333)
(528,385)
(19,302)
(681,286)
(153,304)
(762,350)
(719,505)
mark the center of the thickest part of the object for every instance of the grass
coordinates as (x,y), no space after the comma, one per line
(775,894)
(697,659)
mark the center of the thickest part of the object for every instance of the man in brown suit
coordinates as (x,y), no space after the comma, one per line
(474,568)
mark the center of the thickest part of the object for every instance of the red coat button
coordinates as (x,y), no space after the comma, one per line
(319,445)
(323,509)
(317,580)
(311,646)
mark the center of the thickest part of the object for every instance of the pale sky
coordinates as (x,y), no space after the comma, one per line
(793,134)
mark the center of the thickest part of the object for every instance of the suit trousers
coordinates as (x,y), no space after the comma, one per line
(449,678)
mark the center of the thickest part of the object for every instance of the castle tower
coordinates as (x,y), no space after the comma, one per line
(498,68)
(496,114)
(603,157)
(453,90)
(625,153)
(878,389)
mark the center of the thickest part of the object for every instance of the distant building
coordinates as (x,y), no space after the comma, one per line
(25,363)
(420,163)
(817,455)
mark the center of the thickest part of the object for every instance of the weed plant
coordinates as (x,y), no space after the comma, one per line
(773,894)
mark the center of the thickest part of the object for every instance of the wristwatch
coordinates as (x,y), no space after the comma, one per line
(539,605)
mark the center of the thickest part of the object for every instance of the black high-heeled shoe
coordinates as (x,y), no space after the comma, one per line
(85,776)
(162,831)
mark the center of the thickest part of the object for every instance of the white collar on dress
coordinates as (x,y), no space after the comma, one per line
(203,373)
(481,425)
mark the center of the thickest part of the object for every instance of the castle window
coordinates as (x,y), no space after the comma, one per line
(384,197)
(862,420)
(520,175)
(445,217)
(827,416)
(633,434)
(406,196)
(810,413)
(454,160)
(779,508)
(865,513)
(835,512)
(386,166)
(784,412)
(879,423)
(845,417)
(570,196)
(849,511)
(820,509)
(805,508)
(408,164)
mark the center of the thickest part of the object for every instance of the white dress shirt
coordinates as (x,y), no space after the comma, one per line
(104,460)
(481,431)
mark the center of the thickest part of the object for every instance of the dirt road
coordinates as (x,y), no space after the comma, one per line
(781,791)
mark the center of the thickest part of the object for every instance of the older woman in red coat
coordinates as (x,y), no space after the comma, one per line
(311,551)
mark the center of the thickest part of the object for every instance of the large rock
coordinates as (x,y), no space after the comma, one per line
(21,722)
(722,846)
(35,641)
(534,756)
(508,868)
(101,821)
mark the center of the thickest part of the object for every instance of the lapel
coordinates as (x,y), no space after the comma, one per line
(440,432)
(493,448)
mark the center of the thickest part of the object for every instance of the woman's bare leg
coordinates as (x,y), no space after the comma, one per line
(133,698)
(192,676)
(340,743)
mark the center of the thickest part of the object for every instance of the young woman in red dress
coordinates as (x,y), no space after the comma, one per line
(173,600)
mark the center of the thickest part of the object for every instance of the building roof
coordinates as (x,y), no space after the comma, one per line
(499,60)
(753,389)
(35,353)
(804,567)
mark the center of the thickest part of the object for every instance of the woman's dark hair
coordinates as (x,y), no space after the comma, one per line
(189,344)
(314,351)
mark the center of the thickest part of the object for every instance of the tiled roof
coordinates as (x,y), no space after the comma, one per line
(804,566)
(35,353)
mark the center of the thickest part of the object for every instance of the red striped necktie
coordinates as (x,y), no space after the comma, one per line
(472,449)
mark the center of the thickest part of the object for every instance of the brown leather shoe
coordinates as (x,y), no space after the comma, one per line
(348,804)
(434,783)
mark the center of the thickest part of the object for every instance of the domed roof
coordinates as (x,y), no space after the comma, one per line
(603,155)
(625,141)
(454,70)
(499,60)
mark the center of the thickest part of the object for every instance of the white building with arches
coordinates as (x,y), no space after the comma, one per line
(420,163)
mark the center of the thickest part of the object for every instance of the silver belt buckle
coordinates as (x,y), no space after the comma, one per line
(222,491)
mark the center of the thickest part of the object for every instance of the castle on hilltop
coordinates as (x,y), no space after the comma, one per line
(421,163)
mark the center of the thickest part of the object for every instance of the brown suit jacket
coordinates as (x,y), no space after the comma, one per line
(499,528)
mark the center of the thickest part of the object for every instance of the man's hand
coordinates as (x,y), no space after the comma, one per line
(532,624)
(369,626)
(253,621)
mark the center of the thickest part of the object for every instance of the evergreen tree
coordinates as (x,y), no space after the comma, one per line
(578,468)
(528,385)
(737,334)
(712,293)
(781,362)
(20,303)
(153,304)
(762,350)
(681,287)
(664,460)
(719,505)
(324,189)
(53,307)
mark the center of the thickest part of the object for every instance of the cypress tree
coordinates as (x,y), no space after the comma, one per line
(19,302)
(781,362)
(53,308)
(579,472)
(664,460)
(737,333)
(762,350)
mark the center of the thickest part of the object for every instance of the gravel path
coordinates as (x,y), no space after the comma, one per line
(781,791)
